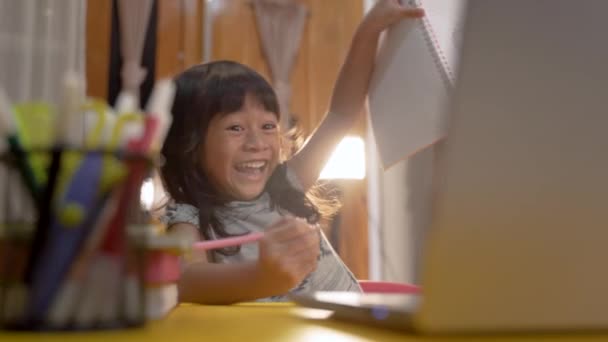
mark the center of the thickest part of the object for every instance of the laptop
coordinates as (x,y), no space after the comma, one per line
(519,234)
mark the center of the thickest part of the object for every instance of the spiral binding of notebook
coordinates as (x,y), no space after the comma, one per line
(439,56)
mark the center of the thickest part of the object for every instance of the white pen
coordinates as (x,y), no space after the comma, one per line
(69,123)
(159,106)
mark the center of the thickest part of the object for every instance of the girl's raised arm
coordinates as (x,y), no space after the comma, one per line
(350,90)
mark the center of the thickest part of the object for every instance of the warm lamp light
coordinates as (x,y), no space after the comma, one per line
(347,161)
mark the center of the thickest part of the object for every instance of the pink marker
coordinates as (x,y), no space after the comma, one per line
(227,242)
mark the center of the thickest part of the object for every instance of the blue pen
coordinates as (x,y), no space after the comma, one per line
(50,236)
(76,214)
(63,136)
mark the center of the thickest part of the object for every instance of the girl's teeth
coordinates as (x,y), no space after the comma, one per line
(248,166)
(252,165)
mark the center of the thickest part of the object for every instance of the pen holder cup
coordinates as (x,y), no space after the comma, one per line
(71,225)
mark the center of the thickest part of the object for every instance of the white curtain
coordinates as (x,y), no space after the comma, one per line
(134,17)
(39,41)
(281,25)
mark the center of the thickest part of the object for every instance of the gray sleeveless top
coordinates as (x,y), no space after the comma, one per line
(241,217)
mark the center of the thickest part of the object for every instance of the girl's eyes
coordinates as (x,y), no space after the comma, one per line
(236,128)
(269,126)
(239,128)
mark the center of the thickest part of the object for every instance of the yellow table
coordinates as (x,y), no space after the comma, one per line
(264,322)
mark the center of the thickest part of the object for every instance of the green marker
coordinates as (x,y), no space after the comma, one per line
(8,130)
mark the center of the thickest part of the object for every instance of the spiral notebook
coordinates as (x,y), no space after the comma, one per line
(414,74)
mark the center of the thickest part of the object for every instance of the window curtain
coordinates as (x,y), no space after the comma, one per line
(39,41)
(134,16)
(280,24)
(133,49)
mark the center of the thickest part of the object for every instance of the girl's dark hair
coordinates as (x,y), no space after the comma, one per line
(202,92)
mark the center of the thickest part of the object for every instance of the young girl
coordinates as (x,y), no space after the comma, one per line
(226,176)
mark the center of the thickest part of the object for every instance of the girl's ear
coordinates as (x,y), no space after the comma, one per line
(285,147)
(282,143)
(197,160)
(291,142)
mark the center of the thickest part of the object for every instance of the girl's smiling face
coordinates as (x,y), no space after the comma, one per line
(241,150)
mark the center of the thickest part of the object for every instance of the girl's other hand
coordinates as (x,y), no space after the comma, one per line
(387,12)
(288,253)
